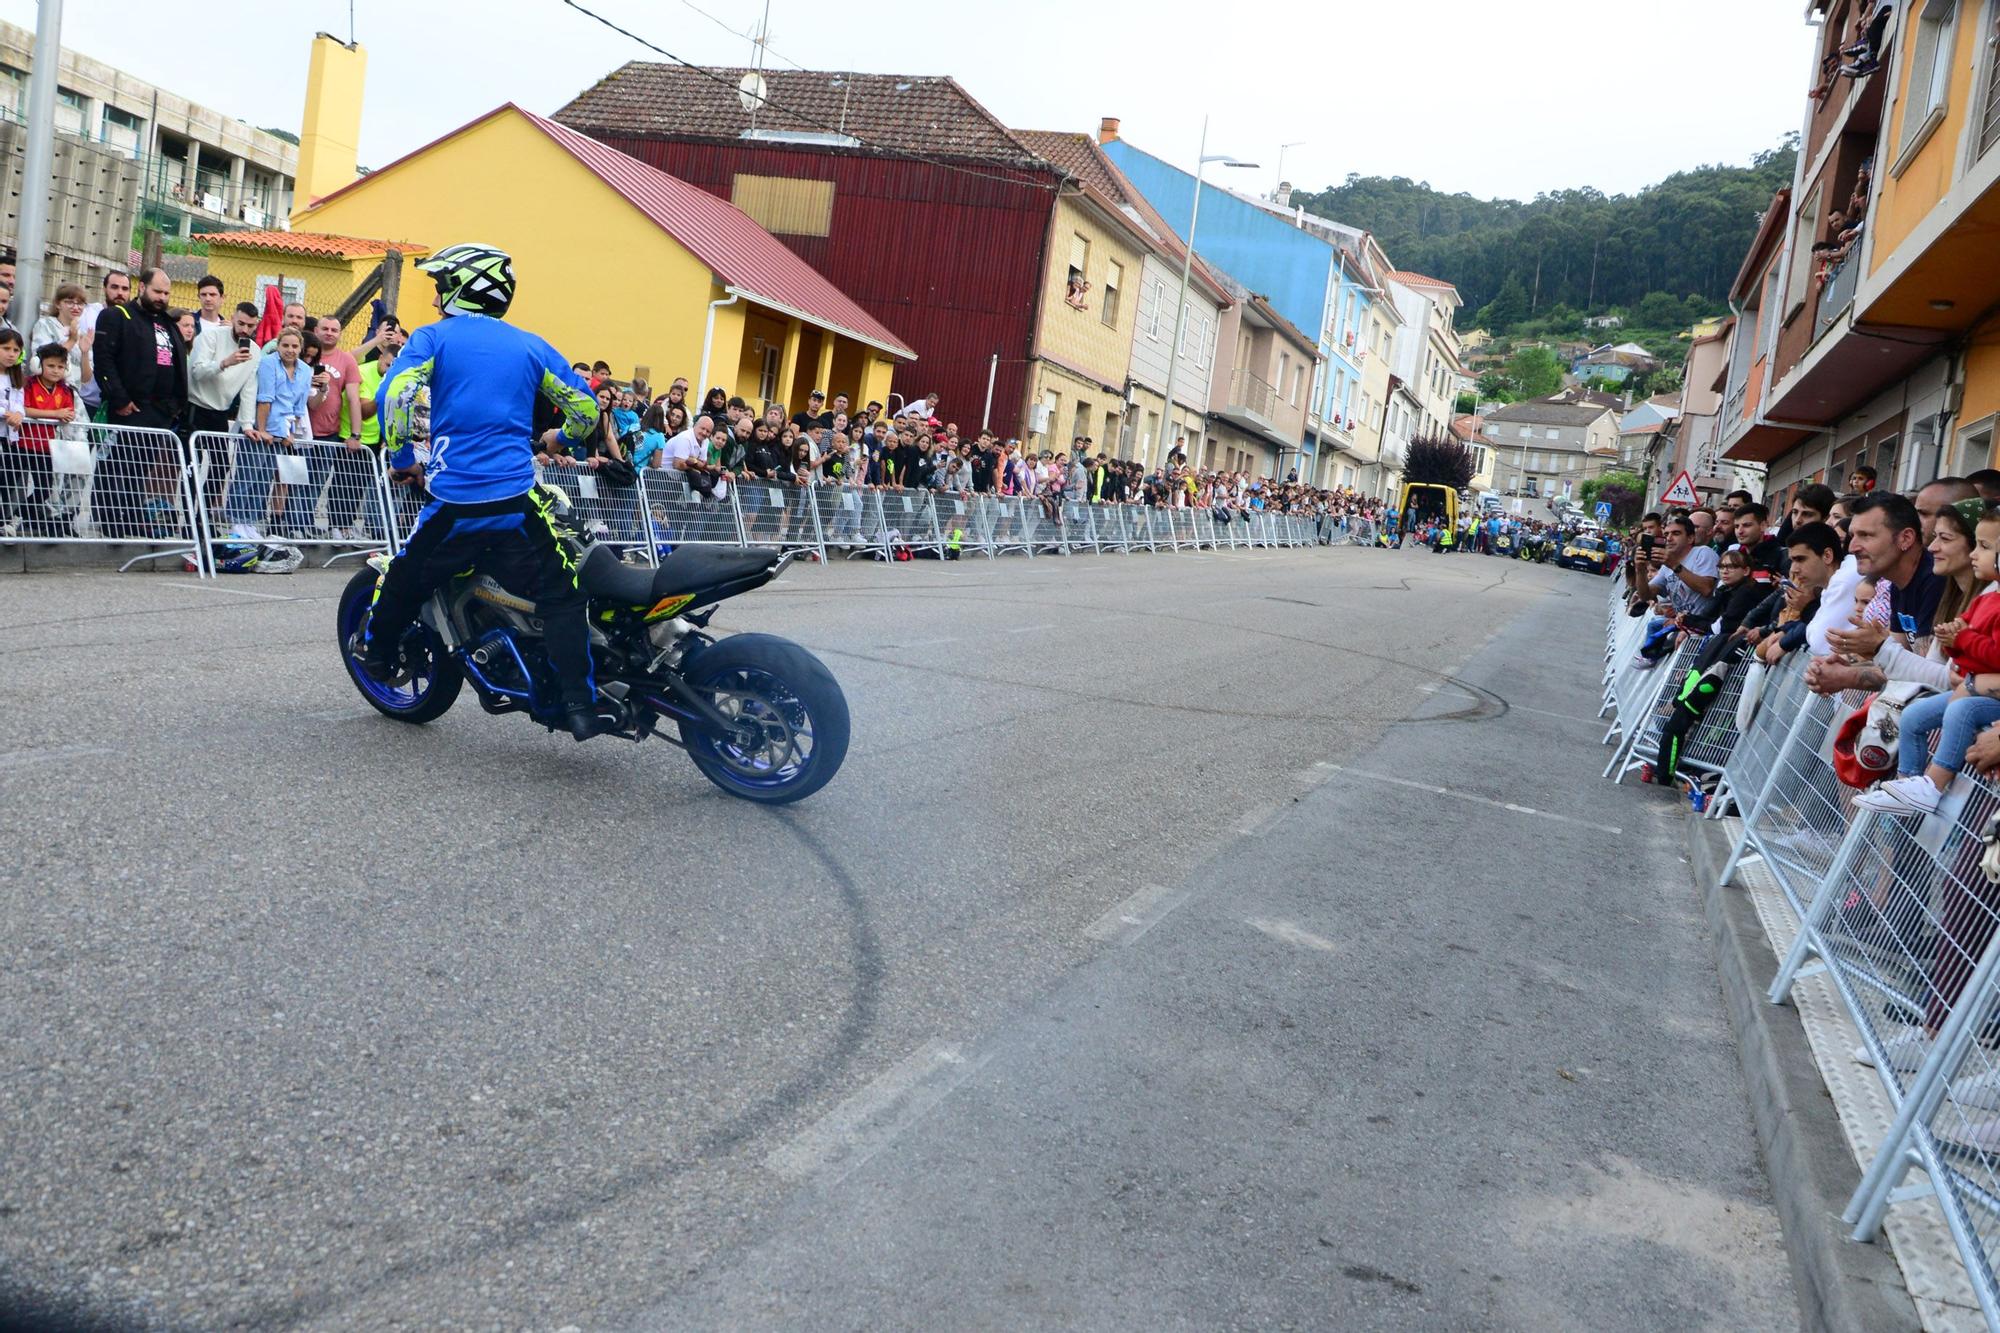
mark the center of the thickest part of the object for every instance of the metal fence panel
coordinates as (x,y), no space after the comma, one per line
(88,483)
(679,515)
(781,514)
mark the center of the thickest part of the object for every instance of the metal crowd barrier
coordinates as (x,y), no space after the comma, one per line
(1896,912)
(91,484)
(314,494)
(110,484)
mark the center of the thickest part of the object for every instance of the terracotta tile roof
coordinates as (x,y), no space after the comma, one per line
(1080,156)
(888,113)
(721,235)
(313,243)
(1419,280)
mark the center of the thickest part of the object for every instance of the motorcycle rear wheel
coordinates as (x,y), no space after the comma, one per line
(792,703)
(433,683)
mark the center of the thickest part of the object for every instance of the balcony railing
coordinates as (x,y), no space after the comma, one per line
(1837,294)
(1251,393)
(1989,114)
(1732,406)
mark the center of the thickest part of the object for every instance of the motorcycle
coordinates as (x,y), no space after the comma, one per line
(761,717)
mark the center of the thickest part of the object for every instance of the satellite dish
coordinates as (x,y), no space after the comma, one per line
(750,90)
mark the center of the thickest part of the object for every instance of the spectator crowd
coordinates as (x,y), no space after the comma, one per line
(299,413)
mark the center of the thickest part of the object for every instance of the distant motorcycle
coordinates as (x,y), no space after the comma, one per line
(760,716)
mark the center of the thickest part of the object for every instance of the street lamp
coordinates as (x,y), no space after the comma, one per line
(1204,157)
(1284,148)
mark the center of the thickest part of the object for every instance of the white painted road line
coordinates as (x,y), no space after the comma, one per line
(240,592)
(1508,806)
(847,1137)
(1136,915)
(1290,933)
(1025,629)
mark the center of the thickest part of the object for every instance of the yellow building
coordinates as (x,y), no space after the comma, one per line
(620,262)
(1931,261)
(320,270)
(1089,301)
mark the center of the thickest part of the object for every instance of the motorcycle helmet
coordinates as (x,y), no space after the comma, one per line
(472,279)
(235,557)
(279,559)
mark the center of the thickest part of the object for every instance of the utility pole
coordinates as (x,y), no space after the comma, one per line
(31,244)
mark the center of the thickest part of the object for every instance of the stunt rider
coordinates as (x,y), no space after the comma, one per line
(483,377)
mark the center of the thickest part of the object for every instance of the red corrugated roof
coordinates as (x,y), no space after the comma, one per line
(723,236)
(741,254)
(322,244)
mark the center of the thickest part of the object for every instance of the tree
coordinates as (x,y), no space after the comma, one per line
(1581,247)
(1631,481)
(1535,371)
(1438,460)
(1657,310)
(1466,404)
(1507,309)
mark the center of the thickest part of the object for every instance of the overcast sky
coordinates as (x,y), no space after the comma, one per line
(1501,98)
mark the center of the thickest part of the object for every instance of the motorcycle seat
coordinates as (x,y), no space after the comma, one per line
(689,569)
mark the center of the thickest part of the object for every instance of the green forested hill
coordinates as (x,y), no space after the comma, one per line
(1578,248)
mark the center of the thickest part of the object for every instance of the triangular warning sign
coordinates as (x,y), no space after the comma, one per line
(1681,492)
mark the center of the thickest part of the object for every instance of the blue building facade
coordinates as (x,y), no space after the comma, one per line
(1304,274)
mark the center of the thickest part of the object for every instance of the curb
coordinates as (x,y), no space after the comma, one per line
(1840,1284)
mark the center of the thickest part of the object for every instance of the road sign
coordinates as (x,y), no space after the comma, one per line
(1603,511)
(1681,492)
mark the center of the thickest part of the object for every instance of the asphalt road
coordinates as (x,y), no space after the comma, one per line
(1134,972)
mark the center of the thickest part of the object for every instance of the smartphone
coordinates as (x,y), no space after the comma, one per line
(1786,585)
(243,344)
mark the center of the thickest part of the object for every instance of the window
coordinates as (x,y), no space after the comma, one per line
(1079,273)
(69,111)
(295,288)
(1930,77)
(122,128)
(767,374)
(785,205)
(1802,241)
(1492,430)
(1552,434)
(1081,424)
(1114,275)
(1534,462)
(1527,432)
(1284,369)
(1202,352)
(1159,303)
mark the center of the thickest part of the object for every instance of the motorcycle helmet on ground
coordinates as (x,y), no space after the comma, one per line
(472,279)
(275,559)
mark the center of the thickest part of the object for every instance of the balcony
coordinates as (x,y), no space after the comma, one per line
(1252,395)
(1989,114)
(1837,294)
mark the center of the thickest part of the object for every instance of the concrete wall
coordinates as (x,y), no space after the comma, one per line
(93,207)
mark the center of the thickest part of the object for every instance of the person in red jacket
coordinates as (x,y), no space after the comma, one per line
(1973,644)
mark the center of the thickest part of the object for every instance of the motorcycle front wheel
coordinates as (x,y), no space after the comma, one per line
(789,719)
(434,679)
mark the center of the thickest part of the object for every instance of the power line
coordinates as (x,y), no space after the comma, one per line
(1062,176)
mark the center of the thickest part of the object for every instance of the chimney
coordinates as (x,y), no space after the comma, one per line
(1107,129)
(330,130)
(1283,197)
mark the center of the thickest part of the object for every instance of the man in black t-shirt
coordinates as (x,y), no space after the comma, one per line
(983,462)
(815,402)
